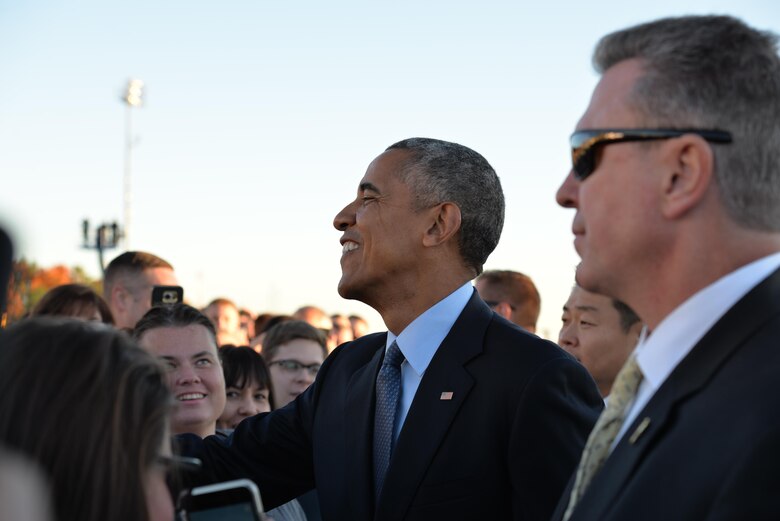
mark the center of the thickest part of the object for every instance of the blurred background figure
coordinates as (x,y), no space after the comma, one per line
(293,351)
(75,301)
(341,331)
(247,385)
(128,282)
(185,341)
(269,321)
(223,313)
(319,319)
(96,423)
(359,326)
(512,295)
(247,321)
(600,332)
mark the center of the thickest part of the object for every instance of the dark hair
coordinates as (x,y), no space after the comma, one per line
(713,72)
(627,316)
(130,263)
(90,407)
(261,320)
(516,288)
(440,171)
(272,321)
(243,366)
(177,315)
(73,300)
(291,330)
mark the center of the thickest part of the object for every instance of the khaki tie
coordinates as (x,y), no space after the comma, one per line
(606,429)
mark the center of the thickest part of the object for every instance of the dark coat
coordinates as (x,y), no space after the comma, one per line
(502,447)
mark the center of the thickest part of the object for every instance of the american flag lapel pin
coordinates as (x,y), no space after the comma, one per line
(446,395)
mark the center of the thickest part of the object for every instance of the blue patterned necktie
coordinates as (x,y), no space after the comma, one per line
(388,394)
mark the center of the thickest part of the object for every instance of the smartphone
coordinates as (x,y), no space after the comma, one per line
(237,500)
(167,295)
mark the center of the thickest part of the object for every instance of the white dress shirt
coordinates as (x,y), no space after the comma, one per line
(660,352)
(419,341)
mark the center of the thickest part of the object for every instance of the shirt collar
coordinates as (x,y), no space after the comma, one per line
(660,352)
(419,340)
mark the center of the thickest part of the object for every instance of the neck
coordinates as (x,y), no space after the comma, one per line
(399,312)
(693,266)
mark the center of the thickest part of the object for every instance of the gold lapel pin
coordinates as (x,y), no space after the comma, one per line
(447,395)
(641,428)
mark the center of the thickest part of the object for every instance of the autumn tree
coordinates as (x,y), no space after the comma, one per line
(29,283)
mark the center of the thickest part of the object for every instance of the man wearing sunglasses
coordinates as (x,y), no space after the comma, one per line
(676,186)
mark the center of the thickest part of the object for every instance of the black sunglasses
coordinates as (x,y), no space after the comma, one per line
(584,143)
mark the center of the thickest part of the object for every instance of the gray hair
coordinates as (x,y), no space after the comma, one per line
(439,171)
(713,72)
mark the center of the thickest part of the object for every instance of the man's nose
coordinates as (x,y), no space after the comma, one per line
(345,218)
(566,195)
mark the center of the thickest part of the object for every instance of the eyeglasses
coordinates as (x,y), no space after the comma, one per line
(584,143)
(293,366)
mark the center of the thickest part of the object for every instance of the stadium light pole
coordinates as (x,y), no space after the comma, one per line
(133,97)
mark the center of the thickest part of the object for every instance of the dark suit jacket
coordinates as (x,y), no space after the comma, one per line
(711,449)
(502,448)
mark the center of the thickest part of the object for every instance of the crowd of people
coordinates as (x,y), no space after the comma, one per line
(657,402)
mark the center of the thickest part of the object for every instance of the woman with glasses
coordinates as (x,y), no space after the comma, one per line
(91,409)
(293,352)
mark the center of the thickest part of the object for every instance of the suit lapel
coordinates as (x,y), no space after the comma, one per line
(688,378)
(430,416)
(359,414)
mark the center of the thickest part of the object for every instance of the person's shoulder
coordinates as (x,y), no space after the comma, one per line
(356,352)
(503,338)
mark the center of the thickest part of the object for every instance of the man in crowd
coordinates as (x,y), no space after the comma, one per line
(512,295)
(359,326)
(127,285)
(600,332)
(223,313)
(342,329)
(676,187)
(454,413)
(319,319)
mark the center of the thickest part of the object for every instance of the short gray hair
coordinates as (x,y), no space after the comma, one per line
(440,171)
(713,72)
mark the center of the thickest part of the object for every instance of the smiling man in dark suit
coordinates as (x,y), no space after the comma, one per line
(454,413)
(676,184)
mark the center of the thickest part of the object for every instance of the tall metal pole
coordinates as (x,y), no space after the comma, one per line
(133,98)
(127,193)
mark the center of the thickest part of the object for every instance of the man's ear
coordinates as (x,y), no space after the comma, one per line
(118,299)
(689,164)
(504,309)
(445,223)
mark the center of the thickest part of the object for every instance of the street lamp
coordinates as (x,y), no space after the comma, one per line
(132,98)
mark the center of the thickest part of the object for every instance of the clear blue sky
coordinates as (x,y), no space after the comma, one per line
(261,118)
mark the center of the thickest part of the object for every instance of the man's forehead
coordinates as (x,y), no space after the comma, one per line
(386,166)
(610,105)
(160,276)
